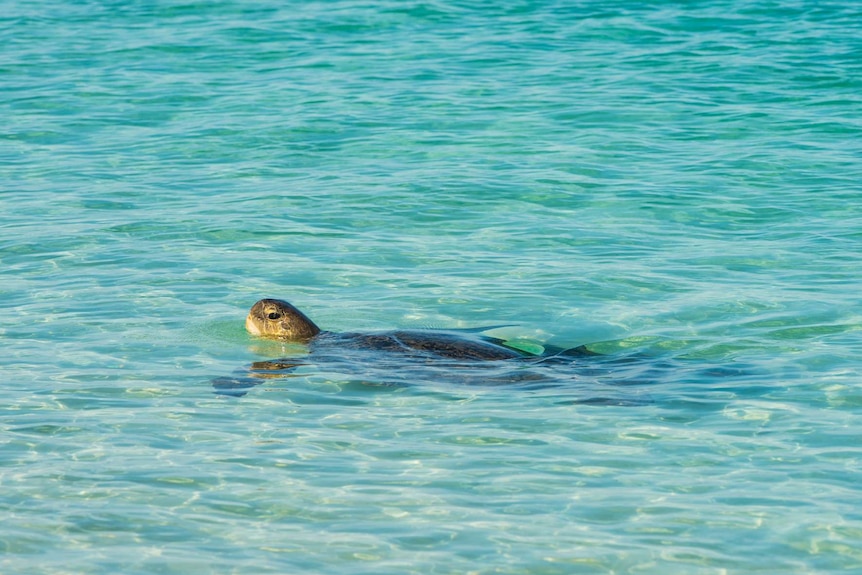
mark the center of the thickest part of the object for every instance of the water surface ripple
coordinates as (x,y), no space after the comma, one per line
(674,182)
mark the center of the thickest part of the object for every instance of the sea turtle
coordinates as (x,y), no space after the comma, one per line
(278,319)
(401,358)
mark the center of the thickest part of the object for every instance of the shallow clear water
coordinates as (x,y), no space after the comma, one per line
(678,181)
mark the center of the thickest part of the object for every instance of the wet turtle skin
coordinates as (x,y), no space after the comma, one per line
(421,344)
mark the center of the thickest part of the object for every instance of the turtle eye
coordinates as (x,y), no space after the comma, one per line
(273,315)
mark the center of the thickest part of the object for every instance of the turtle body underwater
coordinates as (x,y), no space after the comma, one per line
(400,358)
(278,319)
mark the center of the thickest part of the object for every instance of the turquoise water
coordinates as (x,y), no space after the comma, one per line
(677,180)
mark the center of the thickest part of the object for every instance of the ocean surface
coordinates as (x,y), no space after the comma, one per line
(678,184)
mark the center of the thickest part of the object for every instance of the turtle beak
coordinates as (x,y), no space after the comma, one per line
(251,326)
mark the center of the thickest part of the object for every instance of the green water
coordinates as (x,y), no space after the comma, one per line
(678,182)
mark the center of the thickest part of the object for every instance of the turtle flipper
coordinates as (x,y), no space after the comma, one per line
(579,351)
(234,386)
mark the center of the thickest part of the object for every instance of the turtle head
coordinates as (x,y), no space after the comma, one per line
(277,319)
